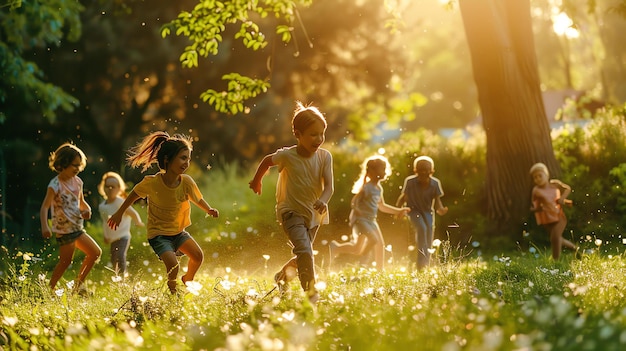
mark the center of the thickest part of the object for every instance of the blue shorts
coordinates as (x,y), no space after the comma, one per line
(69,238)
(164,243)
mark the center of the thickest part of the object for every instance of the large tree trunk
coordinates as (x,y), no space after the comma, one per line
(518,135)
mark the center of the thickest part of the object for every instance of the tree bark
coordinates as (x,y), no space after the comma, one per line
(505,70)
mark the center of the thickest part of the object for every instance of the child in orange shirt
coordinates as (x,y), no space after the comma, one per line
(548,198)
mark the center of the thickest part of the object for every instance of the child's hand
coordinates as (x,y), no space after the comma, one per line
(320,206)
(442,210)
(86,214)
(46,233)
(213,213)
(566,202)
(256,187)
(114,220)
(404,211)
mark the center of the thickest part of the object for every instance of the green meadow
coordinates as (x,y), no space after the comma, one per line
(524,301)
(481,293)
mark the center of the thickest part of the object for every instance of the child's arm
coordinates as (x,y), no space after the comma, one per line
(207,208)
(116,218)
(43,213)
(134,215)
(256,184)
(401,200)
(565,191)
(439,207)
(386,208)
(321,205)
(85,209)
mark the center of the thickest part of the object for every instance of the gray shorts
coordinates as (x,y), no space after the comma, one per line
(69,238)
(164,243)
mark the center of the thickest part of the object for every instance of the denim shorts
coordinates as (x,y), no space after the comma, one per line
(164,243)
(69,238)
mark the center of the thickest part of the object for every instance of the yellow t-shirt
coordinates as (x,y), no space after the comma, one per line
(169,210)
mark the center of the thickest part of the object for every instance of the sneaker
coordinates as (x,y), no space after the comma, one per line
(83,291)
(281,281)
(314,298)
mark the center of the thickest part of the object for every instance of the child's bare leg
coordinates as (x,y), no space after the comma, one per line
(86,244)
(66,253)
(556,237)
(171,265)
(191,248)
(352,248)
(379,251)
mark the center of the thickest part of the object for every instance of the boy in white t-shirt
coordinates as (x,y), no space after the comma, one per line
(304,187)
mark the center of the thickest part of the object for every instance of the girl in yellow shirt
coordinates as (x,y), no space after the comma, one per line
(168,193)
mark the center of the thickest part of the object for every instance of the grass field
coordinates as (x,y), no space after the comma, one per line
(520,302)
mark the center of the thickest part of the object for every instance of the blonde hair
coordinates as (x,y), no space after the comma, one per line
(304,116)
(368,164)
(539,167)
(115,176)
(426,159)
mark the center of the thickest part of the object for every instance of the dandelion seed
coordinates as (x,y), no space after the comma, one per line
(21,278)
(59,292)
(598,242)
(116,278)
(320,285)
(227,269)
(532,250)
(436,243)
(475,244)
(26,257)
(146,263)
(288,315)
(431,251)
(368,291)
(411,247)
(345,238)
(193,287)
(10,321)
(70,284)
(252,293)
(266,257)
(249,229)
(233,235)
(42,277)
(388,248)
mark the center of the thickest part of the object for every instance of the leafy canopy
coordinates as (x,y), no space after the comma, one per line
(205,25)
(31,25)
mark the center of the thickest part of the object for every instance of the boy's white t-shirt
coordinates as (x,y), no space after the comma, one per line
(106,211)
(301,183)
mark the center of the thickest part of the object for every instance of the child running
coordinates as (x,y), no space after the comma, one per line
(169,193)
(304,187)
(366,203)
(548,198)
(422,193)
(65,200)
(113,190)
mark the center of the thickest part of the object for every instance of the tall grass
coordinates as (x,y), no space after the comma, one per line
(519,302)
